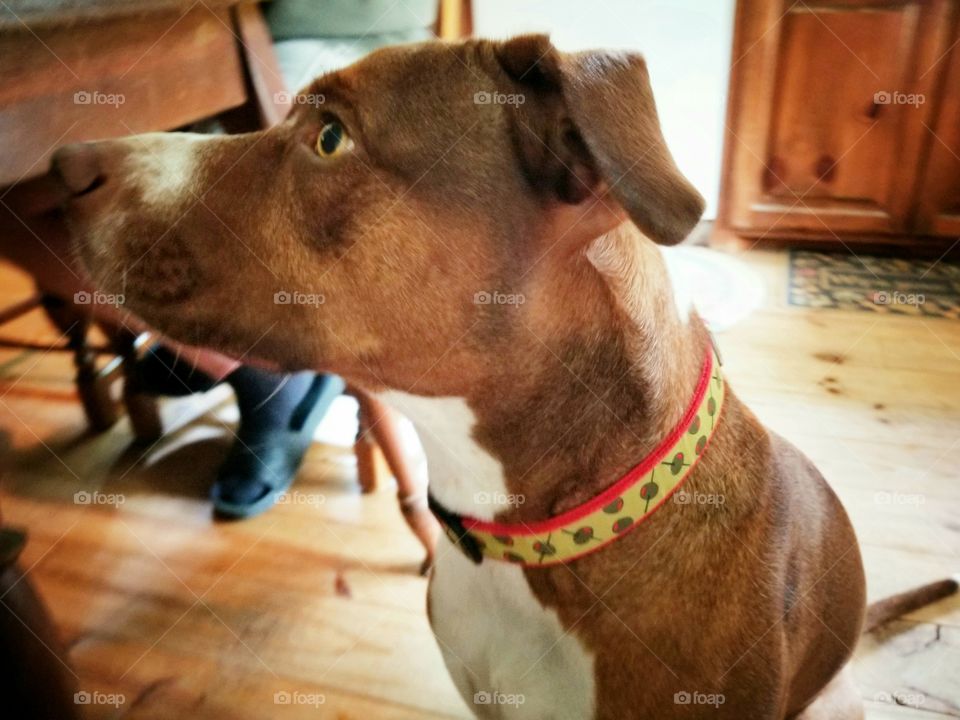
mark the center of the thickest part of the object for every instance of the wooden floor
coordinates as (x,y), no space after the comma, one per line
(191,618)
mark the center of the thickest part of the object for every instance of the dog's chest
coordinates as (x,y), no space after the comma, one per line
(464,477)
(509,656)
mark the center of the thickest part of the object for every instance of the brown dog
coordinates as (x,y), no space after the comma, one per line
(356,237)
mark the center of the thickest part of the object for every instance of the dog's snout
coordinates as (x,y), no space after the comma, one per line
(79,167)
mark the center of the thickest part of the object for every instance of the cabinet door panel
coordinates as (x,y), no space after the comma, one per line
(826,129)
(939,197)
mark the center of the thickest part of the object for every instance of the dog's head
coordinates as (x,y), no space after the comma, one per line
(410,209)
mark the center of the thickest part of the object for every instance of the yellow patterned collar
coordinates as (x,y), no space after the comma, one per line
(612,513)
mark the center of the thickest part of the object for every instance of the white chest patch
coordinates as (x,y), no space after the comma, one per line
(509,656)
(464,477)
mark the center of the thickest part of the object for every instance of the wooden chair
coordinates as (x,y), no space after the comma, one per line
(94,384)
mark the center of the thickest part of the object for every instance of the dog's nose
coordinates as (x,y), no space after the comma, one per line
(78,167)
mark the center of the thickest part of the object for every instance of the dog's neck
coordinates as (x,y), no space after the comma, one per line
(615,363)
(600,372)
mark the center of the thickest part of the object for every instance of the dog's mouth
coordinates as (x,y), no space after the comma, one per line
(81,213)
(98,182)
(265,347)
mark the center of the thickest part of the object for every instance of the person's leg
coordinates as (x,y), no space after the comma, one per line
(278,415)
(166,371)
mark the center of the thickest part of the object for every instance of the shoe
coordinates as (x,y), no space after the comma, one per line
(263,462)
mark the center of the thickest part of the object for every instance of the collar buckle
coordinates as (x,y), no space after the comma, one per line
(456,531)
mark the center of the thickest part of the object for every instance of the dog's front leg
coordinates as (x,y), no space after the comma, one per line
(839,700)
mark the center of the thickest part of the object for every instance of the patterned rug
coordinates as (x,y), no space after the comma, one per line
(874,284)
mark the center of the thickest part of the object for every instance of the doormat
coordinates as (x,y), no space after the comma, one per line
(924,288)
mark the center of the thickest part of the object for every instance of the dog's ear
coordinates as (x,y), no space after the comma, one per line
(606,135)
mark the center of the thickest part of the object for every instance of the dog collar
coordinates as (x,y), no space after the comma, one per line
(612,513)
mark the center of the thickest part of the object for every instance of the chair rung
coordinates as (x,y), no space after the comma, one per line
(20,308)
(51,347)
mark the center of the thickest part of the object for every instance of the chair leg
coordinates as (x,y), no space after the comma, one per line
(141,407)
(93,386)
(365,448)
(378,420)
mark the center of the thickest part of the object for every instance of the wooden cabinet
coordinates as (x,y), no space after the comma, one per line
(938,200)
(843,121)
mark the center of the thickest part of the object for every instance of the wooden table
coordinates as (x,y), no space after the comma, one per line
(89,70)
(106,69)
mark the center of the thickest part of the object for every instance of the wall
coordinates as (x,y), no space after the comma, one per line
(687,47)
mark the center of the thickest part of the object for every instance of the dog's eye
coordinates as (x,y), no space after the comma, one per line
(333,140)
